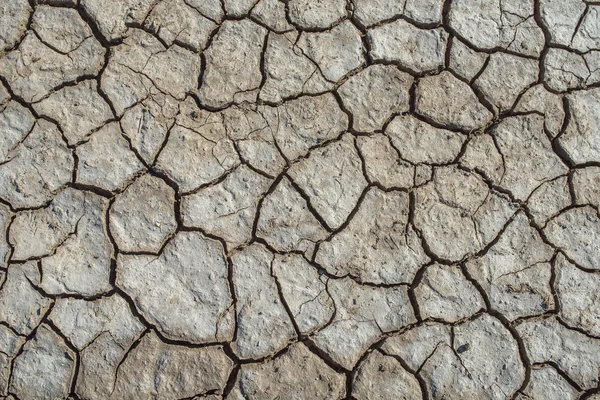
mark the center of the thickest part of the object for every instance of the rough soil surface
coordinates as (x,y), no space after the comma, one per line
(299,199)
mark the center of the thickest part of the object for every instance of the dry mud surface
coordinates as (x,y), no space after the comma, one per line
(299,199)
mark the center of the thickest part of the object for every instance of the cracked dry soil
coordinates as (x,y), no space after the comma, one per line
(299,199)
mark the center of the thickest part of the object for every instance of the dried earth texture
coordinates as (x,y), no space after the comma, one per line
(299,199)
